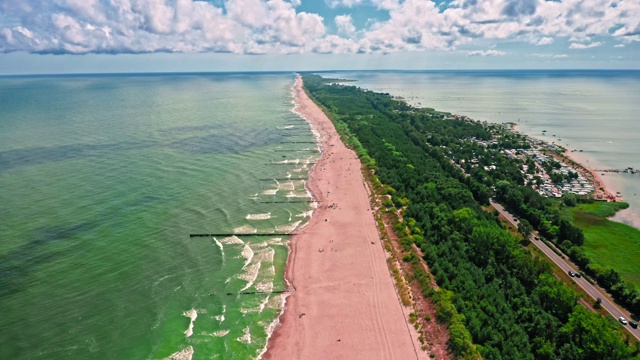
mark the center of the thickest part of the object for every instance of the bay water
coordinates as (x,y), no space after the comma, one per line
(590,111)
(103,179)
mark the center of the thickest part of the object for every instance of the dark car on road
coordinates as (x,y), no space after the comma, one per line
(633,324)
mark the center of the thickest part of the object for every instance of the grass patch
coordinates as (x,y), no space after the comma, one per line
(609,243)
(602,209)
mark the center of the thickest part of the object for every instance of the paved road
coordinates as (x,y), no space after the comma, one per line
(567,266)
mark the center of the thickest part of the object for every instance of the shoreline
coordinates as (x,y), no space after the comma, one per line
(586,171)
(343,303)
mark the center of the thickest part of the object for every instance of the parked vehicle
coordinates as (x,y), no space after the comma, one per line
(622,320)
(633,324)
(571,273)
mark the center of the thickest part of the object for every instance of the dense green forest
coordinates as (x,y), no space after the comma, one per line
(499,301)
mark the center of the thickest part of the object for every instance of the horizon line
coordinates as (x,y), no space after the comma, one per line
(243,72)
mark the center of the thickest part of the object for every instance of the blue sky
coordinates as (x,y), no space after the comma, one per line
(80,36)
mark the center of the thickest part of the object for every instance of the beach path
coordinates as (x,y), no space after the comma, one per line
(343,304)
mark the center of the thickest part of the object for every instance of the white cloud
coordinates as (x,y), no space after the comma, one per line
(386,4)
(486,53)
(342,3)
(584,46)
(551,56)
(277,26)
(344,24)
(545,41)
(619,46)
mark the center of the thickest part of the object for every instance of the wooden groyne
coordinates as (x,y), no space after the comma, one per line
(289,202)
(292,163)
(234,234)
(301,150)
(620,171)
(260,292)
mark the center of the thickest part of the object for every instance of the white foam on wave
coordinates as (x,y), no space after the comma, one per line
(247,253)
(288,228)
(274,324)
(184,354)
(288,186)
(250,275)
(245,229)
(264,255)
(266,286)
(162,278)
(258,216)
(232,240)
(263,304)
(305,214)
(297,195)
(219,244)
(221,316)
(246,338)
(275,241)
(289,161)
(272,191)
(193,315)
(219,333)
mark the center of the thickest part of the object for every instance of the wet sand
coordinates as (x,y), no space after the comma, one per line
(343,304)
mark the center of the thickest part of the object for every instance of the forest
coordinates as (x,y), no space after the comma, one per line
(499,301)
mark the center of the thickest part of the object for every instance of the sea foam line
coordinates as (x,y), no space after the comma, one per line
(219,244)
(193,315)
(184,354)
(246,338)
(247,253)
(265,216)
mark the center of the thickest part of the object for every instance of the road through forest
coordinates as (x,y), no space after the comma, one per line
(593,290)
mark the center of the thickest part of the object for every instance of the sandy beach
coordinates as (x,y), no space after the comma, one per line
(343,304)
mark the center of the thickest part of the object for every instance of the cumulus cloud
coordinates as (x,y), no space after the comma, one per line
(544,41)
(584,46)
(279,26)
(344,24)
(486,53)
(342,3)
(136,26)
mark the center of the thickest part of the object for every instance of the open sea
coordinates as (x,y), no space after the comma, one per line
(103,178)
(597,112)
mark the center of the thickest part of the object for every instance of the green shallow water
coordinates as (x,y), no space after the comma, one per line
(102,179)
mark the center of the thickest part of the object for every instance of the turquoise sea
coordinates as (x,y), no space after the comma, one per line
(593,111)
(103,178)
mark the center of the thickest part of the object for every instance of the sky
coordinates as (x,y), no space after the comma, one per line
(90,36)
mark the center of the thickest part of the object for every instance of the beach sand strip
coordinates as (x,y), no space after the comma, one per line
(343,304)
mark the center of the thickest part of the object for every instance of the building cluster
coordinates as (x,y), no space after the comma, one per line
(578,185)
